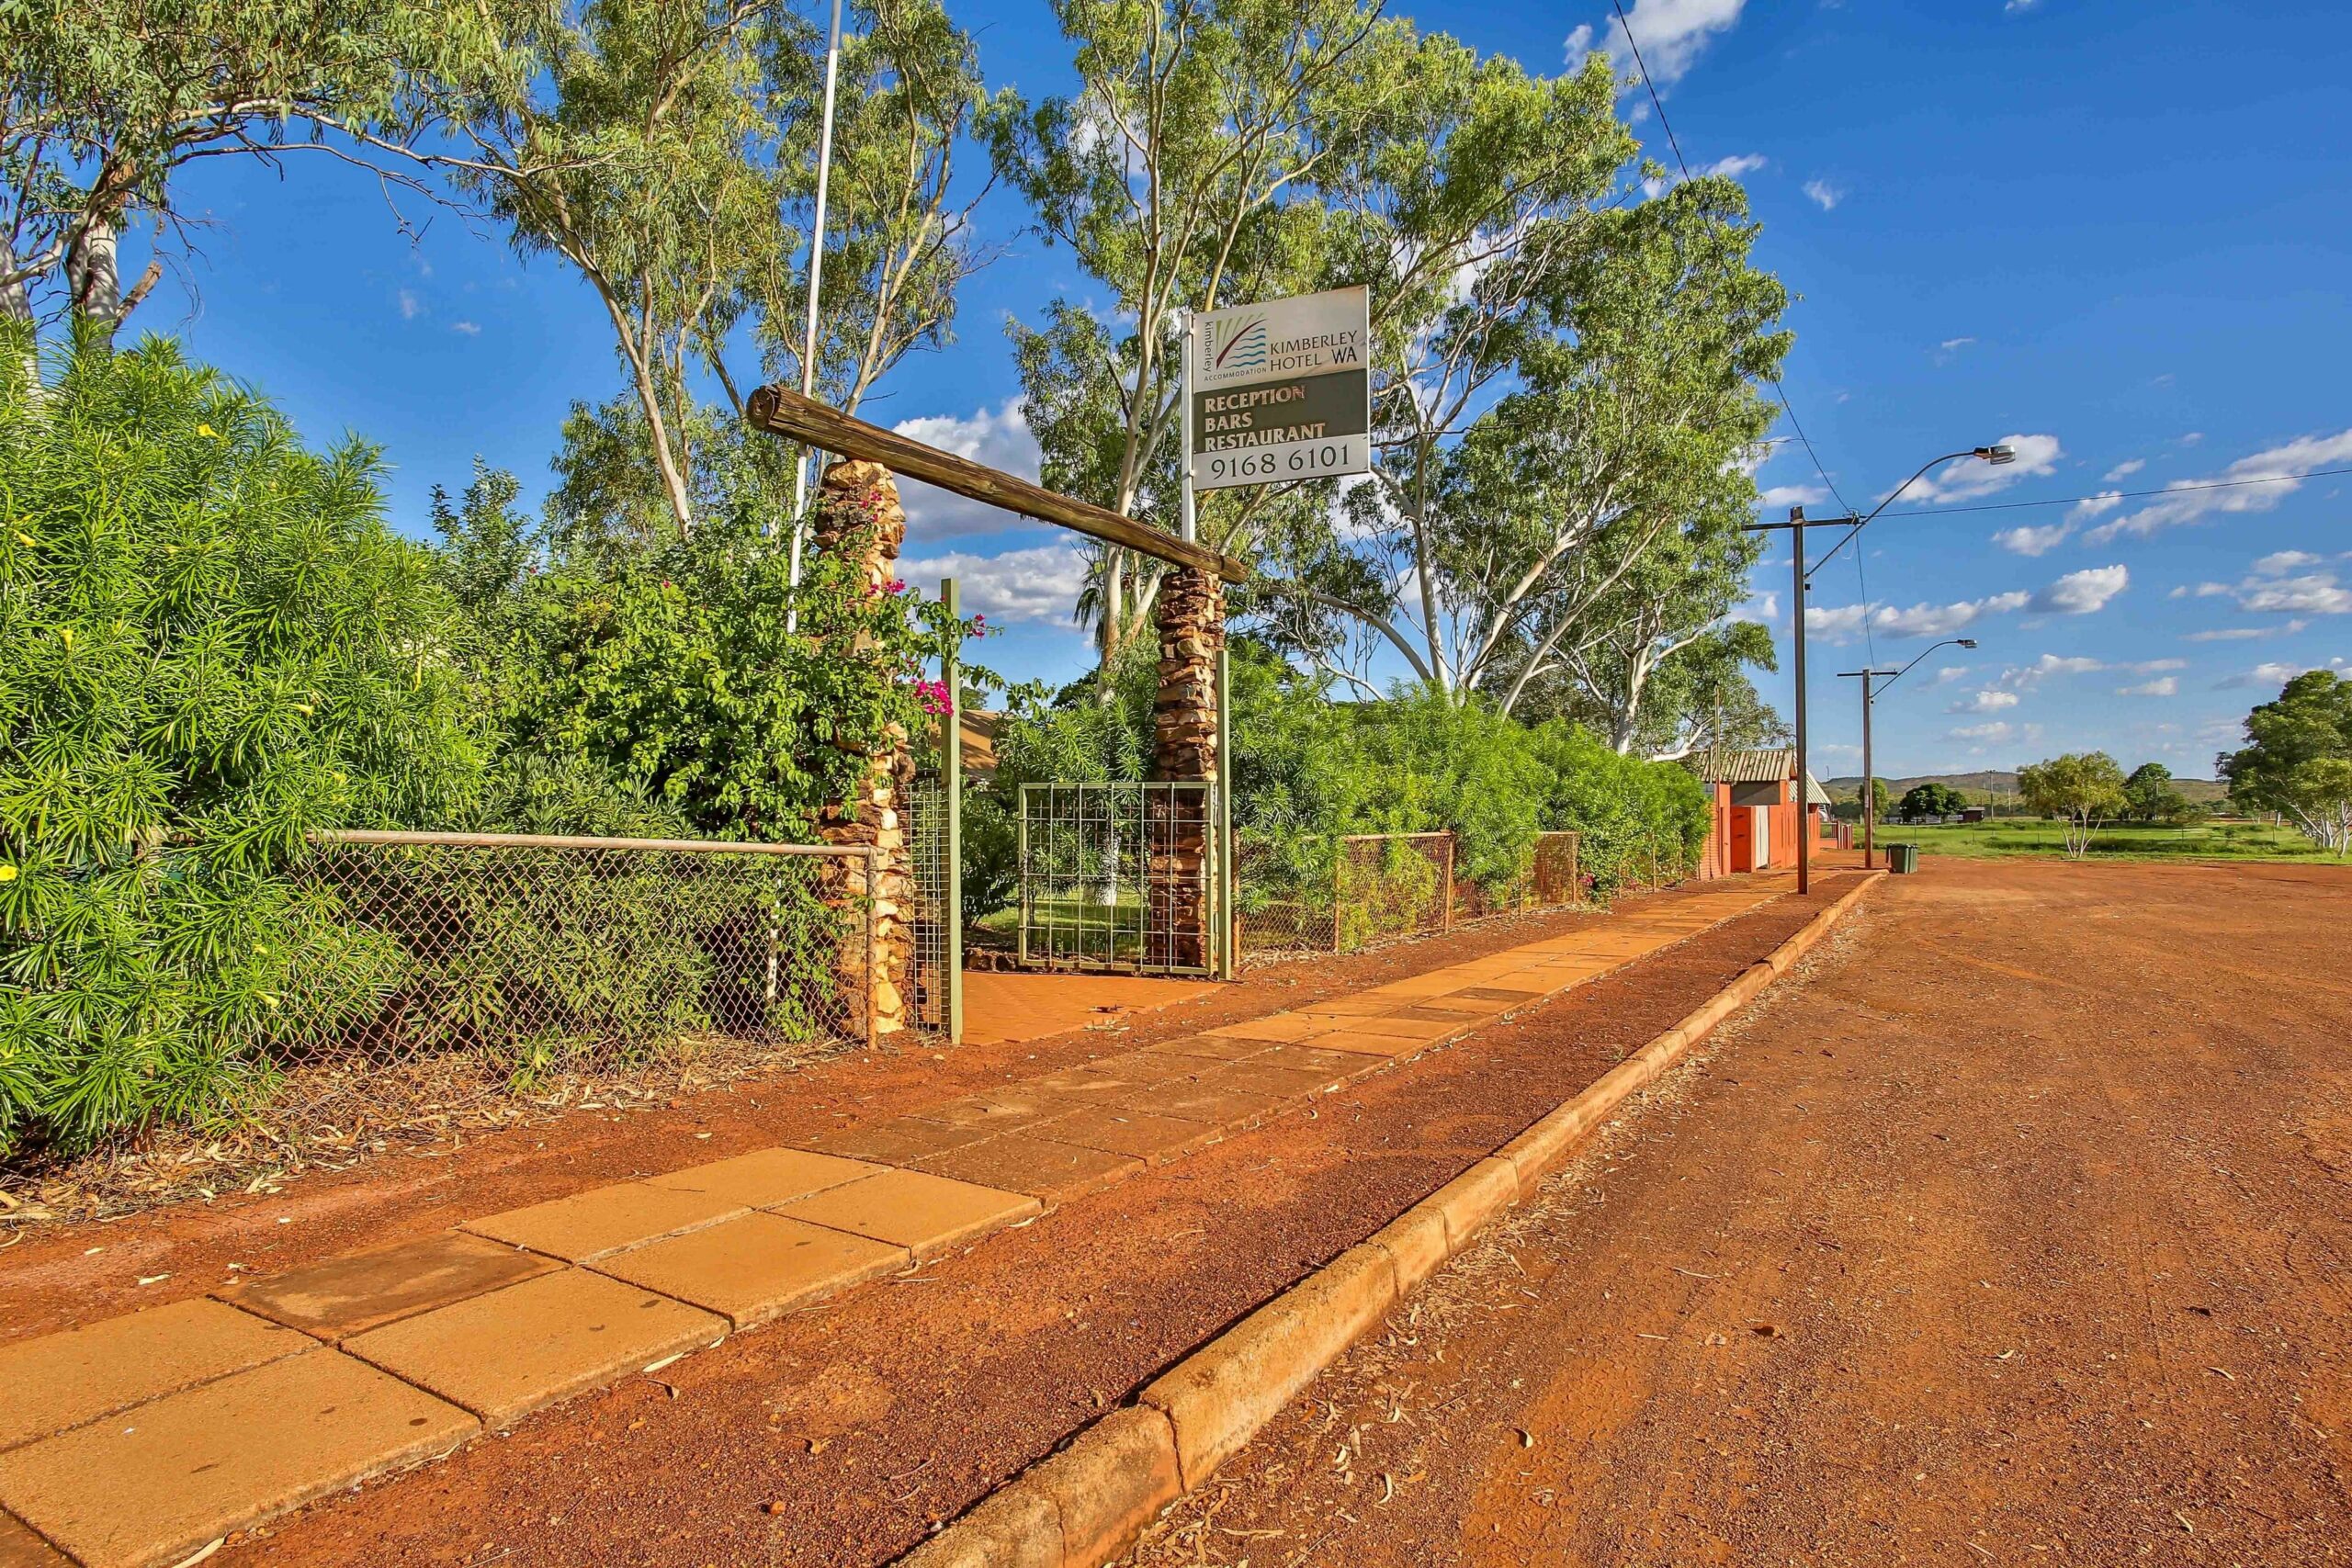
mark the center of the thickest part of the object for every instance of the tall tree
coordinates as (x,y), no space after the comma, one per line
(1616,449)
(107,101)
(1182,175)
(2298,759)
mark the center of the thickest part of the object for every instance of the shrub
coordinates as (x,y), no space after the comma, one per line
(214,646)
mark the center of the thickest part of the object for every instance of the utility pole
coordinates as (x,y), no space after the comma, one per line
(1795,528)
(1869,779)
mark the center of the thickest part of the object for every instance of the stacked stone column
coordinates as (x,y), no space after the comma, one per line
(1192,634)
(859,519)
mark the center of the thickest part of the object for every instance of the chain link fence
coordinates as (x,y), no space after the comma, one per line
(1321,896)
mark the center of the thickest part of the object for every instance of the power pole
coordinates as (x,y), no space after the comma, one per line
(1795,528)
(1869,778)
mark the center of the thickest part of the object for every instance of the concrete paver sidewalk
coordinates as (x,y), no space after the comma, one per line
(136,1440)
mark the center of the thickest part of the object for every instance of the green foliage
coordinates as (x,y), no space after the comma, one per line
(671,669)
(2150,797)
(1923,801)
(2298,759)
(214,647)
(2082,789)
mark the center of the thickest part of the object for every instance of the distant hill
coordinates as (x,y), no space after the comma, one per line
(2000,784)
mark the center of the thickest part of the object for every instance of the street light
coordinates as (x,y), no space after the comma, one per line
(1997,455)
(1869,778)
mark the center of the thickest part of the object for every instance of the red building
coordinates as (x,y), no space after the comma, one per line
(1756,810)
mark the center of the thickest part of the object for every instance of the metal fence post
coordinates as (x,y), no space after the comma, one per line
(951,772)
(1229,932)
(872,918)
(1447,923)
(1021,859)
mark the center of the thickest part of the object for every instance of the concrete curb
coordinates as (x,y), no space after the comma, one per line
(1084,1504)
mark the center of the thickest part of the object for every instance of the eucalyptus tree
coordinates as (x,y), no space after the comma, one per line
(665,150)
(1185,174)
(103,103)
(1614,358)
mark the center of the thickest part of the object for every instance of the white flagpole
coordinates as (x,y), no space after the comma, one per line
(1187,522)
(809,336)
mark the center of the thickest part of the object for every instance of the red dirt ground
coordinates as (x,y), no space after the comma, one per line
(842,1435)
(2017,1230)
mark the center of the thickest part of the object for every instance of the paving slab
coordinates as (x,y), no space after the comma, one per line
(922,1213)
(1258,1077)
(64,1379)
(506,1354)
(1418,1028)
(21,1547)
(351,1294)
(1217,1047)
(1280,1026)
(765,1177)
(1140,1068)
(902,1140)
(605,1219)
(757,1268)
(1046,1169)
(1217,1105)
(1387,1047)
(153,1485)
(1001,1111)
(1155,1140)
(1331,1066)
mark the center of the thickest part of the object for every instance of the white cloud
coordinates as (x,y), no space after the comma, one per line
(2162,686)
(1836,623)
(470,329)
(1952,342)
(1671,34)
(1950,672)
(411,306)
(2182,505)
(1825,195)
(1000,438)
(2024,677)
(1942,620)
(1040,584)
(2029,540)
(1999,729)
(1985,701)
(2104,501)
(2155,666)
(2279,562)
(2276,674)
(1780,498)
(2037,456)
(2015,7)
(2316,594)
(2083,592)
(2193,438)
(2245,634)
(2125,469)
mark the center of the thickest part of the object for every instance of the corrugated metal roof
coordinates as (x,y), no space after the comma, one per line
(1813,794)
(1752,767)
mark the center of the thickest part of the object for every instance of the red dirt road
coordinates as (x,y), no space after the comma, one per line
(2018,1229)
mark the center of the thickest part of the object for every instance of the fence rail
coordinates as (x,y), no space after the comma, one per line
(1346,894)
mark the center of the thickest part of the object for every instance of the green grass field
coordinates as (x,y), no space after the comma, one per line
(2027,836)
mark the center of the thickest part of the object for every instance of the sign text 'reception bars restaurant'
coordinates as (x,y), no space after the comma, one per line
(1282,390)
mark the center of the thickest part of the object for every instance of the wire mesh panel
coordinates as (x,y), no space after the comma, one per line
(442,970)
(926,828)
(1559,878)
(1118,876)
(1392,885)
(1284,897)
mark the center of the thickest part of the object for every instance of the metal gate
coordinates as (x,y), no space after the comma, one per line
(1121,876)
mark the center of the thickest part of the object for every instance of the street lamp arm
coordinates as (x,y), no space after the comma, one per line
(1948,642)
(1891,495)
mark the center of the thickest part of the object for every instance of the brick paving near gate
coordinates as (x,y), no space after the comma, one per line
(135,1441)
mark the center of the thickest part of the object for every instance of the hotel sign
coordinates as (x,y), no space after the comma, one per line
(1282,390)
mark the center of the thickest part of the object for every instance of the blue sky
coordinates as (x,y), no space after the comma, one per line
(2114,233)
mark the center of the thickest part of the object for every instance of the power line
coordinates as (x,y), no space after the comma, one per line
(1797,425)
(2115,494)
(1627,28)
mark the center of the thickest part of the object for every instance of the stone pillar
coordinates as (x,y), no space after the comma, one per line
(858,518)
(1192,633)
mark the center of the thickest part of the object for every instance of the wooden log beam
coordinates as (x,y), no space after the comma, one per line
(782,412)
